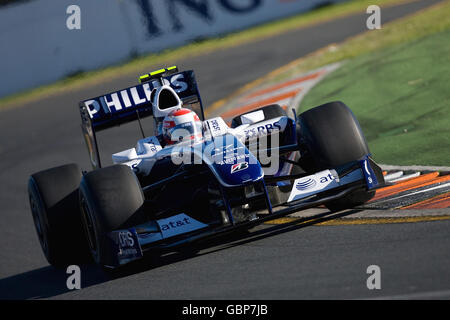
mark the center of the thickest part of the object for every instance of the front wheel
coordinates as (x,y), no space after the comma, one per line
(111,198)
(330,136)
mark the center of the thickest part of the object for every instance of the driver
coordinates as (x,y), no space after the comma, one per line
(181,125)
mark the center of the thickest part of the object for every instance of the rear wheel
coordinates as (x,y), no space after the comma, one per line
(111,198)
(331,136)
(53,197)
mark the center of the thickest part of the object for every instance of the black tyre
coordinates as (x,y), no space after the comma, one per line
(111,198)
(330,136)
(353,199)
(270,112)
(53,196)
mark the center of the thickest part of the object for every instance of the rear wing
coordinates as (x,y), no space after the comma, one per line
(134,103)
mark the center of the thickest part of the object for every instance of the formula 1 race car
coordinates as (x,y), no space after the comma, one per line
(195,178)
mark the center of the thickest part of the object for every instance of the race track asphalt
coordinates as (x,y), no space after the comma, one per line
(273,262)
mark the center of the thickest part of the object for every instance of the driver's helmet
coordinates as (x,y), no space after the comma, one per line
(181,125)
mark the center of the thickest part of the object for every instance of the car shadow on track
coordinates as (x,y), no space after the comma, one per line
(48,281)
(276,229)
(45,282)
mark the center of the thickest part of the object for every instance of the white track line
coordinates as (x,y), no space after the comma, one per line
(417,192)
(404,177)
(388,167)
(292,87)
(299,97)
(394,175)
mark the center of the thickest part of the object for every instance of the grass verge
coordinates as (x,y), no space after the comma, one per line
(141,64)
(396,83)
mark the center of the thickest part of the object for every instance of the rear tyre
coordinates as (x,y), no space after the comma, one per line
(53,197)
(111,198)
(270,112)
(330,136)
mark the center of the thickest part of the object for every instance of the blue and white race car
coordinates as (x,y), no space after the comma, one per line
(195,177)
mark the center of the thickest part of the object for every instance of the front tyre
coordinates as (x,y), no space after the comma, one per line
(330,136)
(111,198)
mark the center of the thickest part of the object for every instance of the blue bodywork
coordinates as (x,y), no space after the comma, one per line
(232,163)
